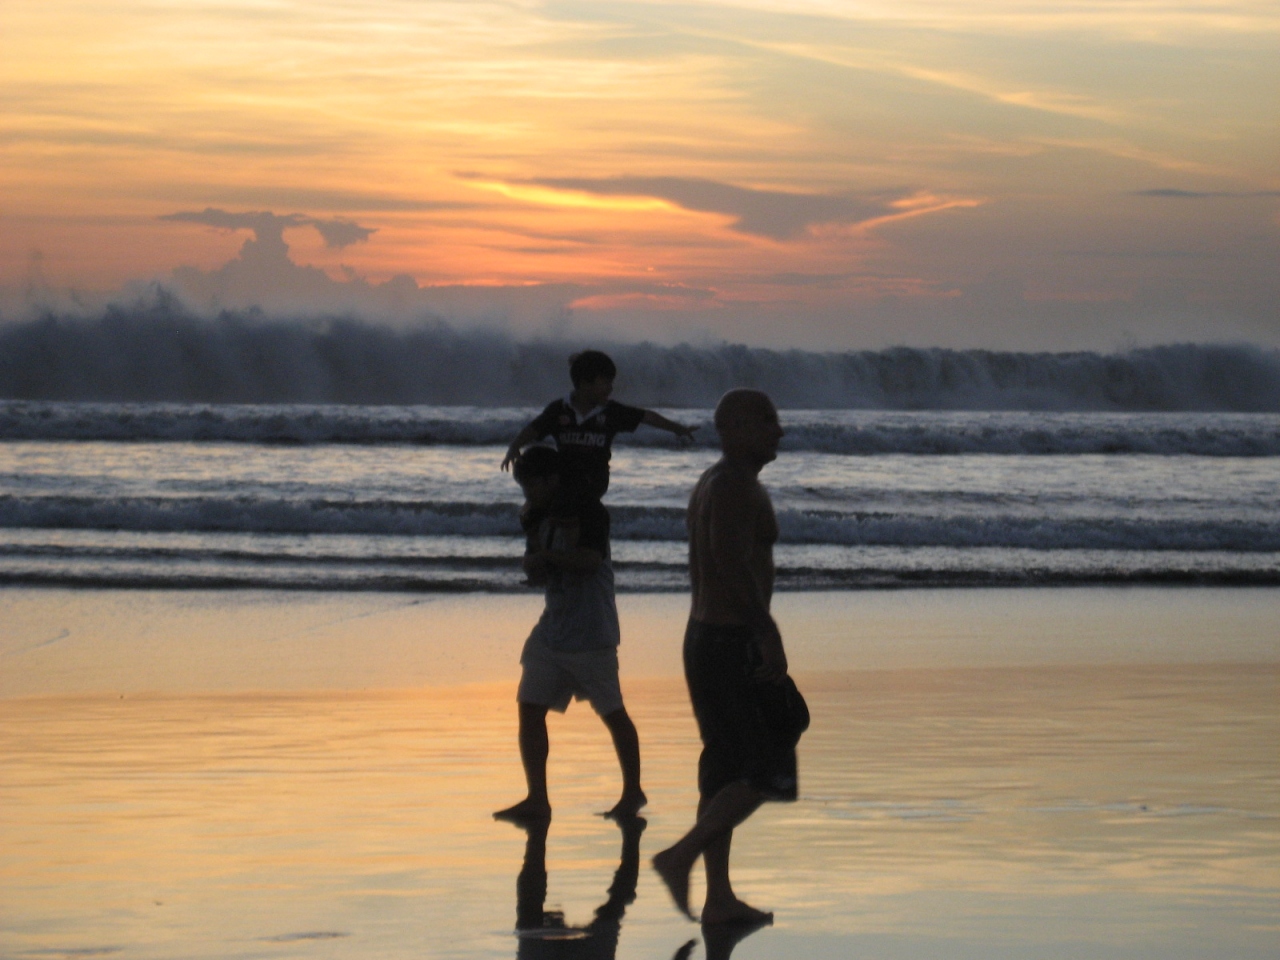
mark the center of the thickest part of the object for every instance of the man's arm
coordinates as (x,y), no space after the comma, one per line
(736,508)
(654,419)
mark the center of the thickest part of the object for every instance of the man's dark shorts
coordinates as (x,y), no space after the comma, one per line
(737,744)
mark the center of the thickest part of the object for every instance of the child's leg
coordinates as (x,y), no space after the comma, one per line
(534,747)
(627,742)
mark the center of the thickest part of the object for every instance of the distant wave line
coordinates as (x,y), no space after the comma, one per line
(856,433)
(154,350)
(250,515)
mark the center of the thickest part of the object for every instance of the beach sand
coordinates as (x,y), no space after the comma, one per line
(990,773)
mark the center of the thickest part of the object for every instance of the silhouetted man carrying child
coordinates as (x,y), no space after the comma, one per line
(573,649)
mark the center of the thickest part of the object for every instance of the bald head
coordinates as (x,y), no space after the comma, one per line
(747,422)
(743,406)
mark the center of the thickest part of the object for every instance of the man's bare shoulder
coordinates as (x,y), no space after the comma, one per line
(723,485)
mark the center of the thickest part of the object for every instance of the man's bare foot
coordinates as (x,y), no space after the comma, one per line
(627,807)
(527,810)
(674,872)
(735,912)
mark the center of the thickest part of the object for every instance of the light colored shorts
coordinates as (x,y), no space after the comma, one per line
(552,678)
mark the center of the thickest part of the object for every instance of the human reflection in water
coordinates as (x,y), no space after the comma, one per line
(544,935)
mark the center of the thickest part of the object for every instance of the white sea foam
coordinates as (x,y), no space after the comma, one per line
(153,351)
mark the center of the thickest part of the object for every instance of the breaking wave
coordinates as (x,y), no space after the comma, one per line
(155,351)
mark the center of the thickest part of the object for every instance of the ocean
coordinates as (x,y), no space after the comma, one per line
(410,497)
(306,765)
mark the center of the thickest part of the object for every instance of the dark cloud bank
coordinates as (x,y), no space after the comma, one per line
(156,350)
(268,228)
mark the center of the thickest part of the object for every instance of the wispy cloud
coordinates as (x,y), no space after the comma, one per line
(774,214)
(313,198)
(1176,194)
(1064,103)
(337,232)
(1126,150)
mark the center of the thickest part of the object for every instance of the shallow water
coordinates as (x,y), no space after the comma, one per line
(1122,809)
(411,499)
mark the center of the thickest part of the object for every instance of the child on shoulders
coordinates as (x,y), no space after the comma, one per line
(585,423)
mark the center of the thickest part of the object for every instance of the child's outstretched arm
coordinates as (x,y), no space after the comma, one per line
(525,437)
(654,419)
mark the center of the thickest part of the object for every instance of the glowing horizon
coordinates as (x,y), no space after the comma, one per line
(838,174)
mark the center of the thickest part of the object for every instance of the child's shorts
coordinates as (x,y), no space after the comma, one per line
(552,678)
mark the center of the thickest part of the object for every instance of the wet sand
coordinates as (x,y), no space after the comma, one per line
(1086,773)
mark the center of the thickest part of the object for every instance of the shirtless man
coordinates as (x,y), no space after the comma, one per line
(732,645)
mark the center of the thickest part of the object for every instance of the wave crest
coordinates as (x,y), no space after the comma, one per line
(156,351)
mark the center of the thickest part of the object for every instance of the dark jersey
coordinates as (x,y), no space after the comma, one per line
(586,443)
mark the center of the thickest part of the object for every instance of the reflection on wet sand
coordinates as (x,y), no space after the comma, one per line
(545,935)
(1116,812)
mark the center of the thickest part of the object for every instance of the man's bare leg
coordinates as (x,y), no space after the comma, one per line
(627,743)
(716,821)
(534,747)
(722,905)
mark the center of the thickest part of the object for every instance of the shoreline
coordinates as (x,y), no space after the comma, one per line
(852,581)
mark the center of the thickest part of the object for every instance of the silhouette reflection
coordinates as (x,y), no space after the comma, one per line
(721,938)
(544,933)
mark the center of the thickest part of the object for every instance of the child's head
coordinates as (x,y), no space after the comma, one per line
(592,372)
(537,470)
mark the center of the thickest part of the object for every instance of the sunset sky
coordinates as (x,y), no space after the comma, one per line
(817,173)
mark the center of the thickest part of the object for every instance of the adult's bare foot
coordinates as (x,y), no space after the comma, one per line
(527,810)
(734,912)
(674,871)
(627,807)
